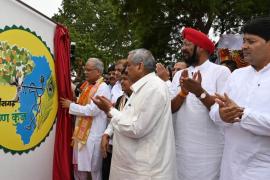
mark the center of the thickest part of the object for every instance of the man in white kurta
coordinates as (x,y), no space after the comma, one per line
(245,111)
(143,133)
(199,142)
(88,158)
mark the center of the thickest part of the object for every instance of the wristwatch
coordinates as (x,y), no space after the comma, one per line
(203,95)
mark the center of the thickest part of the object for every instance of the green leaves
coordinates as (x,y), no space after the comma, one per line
(94,27)
(14,62)
(108,29)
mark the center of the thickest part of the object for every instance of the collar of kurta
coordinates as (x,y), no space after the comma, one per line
(137,85)
(203,66)
(118,83)
(117,86)
(124,94)
(264,69)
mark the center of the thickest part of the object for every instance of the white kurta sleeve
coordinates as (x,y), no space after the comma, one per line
(137,124)
(175,86)
(215,116)
(90,109)
(109,130)
(168,83)
(255,122)
(222,86)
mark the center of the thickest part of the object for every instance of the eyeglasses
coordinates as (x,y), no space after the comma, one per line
(88,70)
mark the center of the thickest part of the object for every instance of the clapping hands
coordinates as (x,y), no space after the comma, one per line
(193,84)
(229,111)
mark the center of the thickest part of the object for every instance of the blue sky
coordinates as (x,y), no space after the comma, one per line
(47,7)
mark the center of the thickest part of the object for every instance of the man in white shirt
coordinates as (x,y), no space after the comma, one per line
(112,79)
(244,111)
(86,152)
(143,133)
(199,142)
(117,89)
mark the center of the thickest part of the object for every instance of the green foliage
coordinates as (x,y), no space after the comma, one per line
(94,28)
(110,28)
(14,63)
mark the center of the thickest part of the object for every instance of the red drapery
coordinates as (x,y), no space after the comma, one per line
(62,162)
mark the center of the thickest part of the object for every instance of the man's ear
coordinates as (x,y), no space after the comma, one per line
(141,66)
(202,51)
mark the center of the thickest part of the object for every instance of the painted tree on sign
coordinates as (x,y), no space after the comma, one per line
(15,64)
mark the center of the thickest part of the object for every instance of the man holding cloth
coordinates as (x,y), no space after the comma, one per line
(244,110)
(199,142)
(90,123)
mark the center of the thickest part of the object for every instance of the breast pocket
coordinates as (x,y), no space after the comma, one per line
(129,113)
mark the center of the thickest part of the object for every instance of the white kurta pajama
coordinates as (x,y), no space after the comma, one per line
(143,134)
(89,157)
(199,142)
(247,143)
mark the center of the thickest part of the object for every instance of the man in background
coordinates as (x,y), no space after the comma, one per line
(111,79)
(116,89)
(178,66)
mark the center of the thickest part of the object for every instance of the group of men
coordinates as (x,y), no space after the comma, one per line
(206,124)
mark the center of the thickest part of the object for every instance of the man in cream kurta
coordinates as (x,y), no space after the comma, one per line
(143,133)
(244,111)
(199,142)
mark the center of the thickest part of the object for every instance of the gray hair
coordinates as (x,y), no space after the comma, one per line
(97,63)
(145,56)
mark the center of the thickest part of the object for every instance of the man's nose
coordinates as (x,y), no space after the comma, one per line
(244,46)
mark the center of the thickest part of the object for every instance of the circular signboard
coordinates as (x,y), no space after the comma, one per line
(28,93)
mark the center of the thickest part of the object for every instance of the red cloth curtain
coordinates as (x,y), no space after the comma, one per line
(62,162)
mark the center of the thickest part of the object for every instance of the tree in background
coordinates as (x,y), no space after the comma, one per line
(110,28)
(94,28)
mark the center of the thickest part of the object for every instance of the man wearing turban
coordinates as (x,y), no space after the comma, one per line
(199,141)
(244,110)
